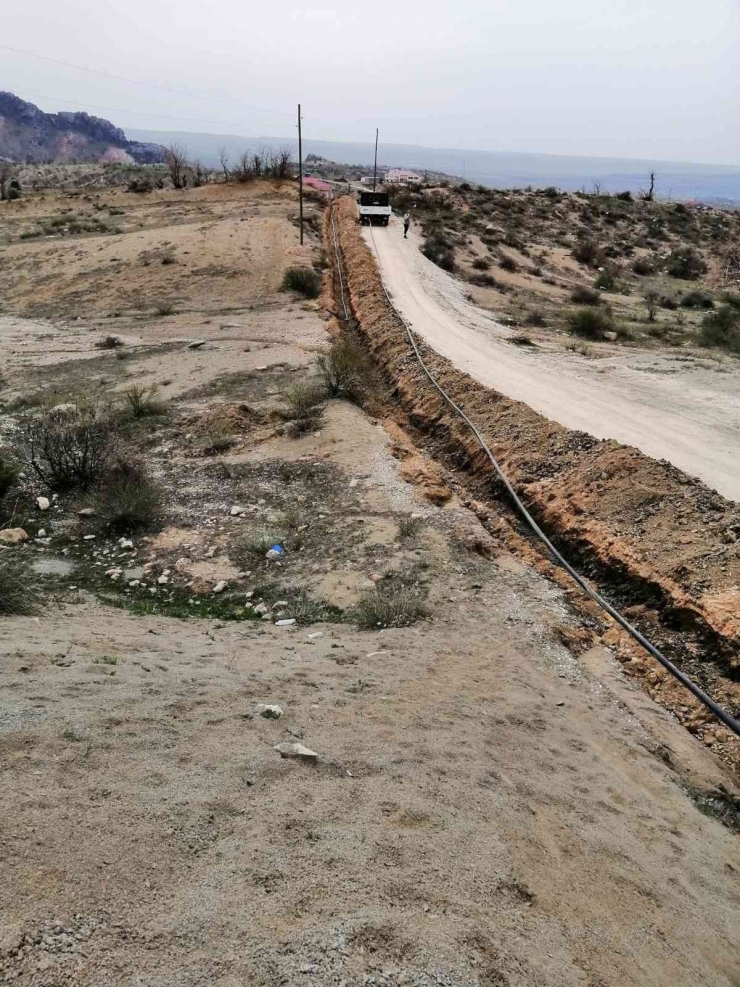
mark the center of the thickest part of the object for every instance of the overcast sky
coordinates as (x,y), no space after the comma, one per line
(631,78)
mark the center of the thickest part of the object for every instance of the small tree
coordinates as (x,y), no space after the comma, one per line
(223,157)
(176,161)
(652,301)
(201,175)
(650,194)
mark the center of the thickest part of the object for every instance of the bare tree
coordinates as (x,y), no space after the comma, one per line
(281,162)
(223,157)
(650,194)
(244,168)
(258,162)
(176,160)
(7,171)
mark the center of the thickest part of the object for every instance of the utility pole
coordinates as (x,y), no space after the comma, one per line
(300,172)
(375,169)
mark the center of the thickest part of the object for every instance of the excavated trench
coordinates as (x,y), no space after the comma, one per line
(661,546)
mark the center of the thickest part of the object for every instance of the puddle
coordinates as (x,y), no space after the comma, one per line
(53,567)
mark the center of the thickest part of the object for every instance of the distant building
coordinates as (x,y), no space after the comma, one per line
(397,176)
(367,180)
(315,183)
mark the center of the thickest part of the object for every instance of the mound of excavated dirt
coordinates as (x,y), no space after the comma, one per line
(652,534)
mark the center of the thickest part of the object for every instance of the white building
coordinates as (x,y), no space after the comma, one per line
(397,176)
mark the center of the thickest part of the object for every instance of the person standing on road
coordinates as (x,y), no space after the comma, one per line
(406,224)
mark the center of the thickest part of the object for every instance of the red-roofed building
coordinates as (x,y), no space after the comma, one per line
(317,185)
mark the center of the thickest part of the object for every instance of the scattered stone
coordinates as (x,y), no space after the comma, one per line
(43,503)
(88,537)
(315,636)
(270,711)
(182,564)
(196,344)
(261,608)
(236,510)
(125,543)
(163,580)
(561,703)
(220,586)
(263,367)
(86,512)
(280,604)
(41,533)
(298,751)
(288,622)
(13,536)
(114,573)
(275,553)
(611,336)
(375,654)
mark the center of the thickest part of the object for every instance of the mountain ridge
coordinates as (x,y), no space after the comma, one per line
(28,134)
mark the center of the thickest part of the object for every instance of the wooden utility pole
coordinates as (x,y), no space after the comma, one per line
(300,172)
(375,169)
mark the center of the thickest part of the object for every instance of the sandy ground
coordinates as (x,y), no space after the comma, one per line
(677,406)
(485,809)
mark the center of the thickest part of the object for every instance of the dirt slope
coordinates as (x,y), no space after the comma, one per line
(686,411)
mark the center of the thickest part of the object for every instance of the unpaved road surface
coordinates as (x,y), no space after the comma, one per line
(677,406)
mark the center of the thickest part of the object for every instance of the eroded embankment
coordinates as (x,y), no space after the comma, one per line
(666,546)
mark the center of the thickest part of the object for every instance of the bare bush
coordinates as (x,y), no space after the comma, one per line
(109,342)
(7,173)
(141,402)
(303,280)
(223,157)
(243,171)
(68,448)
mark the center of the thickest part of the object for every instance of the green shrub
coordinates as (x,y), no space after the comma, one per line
(109,342)
(141,402)
(585,296)
(16,597)
(8,475)
(484,280)
(508,263)
(164,308)
(305,408)
(606,279)
(721,328)
(345,371)
(393,602)
(588,252)
(643,266)
(697,299)
(127,498)
(591,323)
(440,251)
(685,263)
(481,264)
(303,280)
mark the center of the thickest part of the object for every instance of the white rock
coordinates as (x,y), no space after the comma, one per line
(163,580)
(166,572)
(182,564)
(279,604)
(287,749)
(196,344)
(41,533)
(261,608)
(43,503)
(236,510)
(611,336)
(315,636)
(220,586)
(134,582)
(285,623)
(88,537)
(87,512)
(270,711)
(125,543)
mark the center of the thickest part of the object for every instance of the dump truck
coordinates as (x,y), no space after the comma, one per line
(375,209)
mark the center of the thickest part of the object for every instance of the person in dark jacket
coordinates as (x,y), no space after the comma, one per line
(406,224)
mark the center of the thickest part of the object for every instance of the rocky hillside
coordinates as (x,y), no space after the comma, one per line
(30,135)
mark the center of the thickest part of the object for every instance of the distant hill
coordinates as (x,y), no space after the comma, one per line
(28,134)
(679,180)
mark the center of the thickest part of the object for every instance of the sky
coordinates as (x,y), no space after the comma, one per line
(654,79)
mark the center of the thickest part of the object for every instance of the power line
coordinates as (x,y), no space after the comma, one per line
(139,82)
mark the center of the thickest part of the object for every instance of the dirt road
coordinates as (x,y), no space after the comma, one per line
(677,406)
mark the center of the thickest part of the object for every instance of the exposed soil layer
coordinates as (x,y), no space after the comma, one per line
(662,545)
